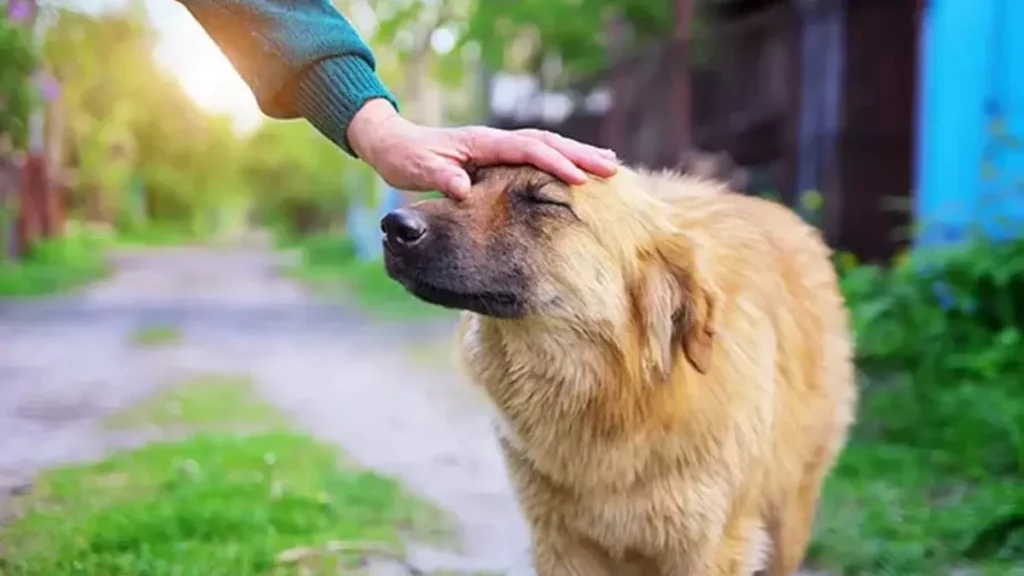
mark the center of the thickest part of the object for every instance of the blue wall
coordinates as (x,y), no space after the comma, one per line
(970,170)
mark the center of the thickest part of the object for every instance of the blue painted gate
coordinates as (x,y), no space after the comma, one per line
(970,165)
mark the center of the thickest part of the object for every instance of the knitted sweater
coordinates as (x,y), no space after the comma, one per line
(301,58)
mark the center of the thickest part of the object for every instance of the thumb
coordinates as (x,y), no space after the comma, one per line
(454,182)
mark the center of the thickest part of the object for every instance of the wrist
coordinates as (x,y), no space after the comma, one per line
(368,125)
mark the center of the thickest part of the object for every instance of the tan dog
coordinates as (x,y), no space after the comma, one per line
(671,363)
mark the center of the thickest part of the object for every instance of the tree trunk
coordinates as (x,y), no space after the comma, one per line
(54,152)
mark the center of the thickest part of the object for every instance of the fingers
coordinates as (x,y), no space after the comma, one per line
(456,185)
(492,146)
(449,178)
(598,161)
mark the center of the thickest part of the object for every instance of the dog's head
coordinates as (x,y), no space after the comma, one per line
(602,260)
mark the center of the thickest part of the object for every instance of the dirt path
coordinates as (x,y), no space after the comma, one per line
(66,363)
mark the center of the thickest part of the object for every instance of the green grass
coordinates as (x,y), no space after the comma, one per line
(373,289)
(210,505)
(217,503)
(53,266)
(158,234)
(329,263)
(211,401)
(156,335)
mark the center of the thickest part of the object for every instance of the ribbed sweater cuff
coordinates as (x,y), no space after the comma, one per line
(330,92)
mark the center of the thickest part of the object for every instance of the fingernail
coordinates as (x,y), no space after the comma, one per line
(609,153)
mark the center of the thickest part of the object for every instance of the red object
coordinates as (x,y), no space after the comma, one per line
(32,202)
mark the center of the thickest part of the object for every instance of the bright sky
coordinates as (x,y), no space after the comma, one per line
(188,52)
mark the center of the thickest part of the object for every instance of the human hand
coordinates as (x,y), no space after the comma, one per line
(413,157)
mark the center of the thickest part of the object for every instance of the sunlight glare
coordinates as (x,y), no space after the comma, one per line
(204,72)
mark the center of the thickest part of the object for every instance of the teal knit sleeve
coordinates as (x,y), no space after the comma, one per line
(301,58)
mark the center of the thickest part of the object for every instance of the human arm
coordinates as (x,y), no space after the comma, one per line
(301,58)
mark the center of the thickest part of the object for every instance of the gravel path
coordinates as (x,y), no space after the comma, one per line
(65,363)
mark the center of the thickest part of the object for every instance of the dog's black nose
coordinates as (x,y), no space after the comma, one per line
(403,226)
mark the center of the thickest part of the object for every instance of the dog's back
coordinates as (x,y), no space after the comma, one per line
(765,256)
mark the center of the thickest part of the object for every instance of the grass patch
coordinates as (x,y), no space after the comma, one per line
(53,266)
(160,235)
(209,505)
(371,287)
(156,335)
(213,401)
(329,262)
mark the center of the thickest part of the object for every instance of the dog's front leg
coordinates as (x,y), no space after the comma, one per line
(560,555)
(735,549)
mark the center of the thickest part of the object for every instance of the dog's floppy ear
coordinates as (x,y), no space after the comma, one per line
(678,311)
(695,323)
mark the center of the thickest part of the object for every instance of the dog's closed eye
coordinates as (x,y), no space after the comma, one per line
(542,196)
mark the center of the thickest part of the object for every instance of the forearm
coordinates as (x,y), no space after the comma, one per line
(301,58)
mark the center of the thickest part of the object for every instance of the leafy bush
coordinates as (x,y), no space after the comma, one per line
(932,476)
(328,249)
(55,265)
(17,94)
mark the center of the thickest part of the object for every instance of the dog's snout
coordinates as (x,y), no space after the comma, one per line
(404,226)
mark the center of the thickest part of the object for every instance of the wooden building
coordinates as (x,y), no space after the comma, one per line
(807,94)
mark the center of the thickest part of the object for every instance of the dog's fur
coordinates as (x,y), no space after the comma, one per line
(670,362)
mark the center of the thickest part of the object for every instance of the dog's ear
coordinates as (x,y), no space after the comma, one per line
(678,311)
(695,323)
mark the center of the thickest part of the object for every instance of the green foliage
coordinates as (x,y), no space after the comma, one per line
(54,265)
(302,182)
(932,477)
(17,94)
(966,302)
(575,30)
(327,250)
(519,35)
(145,159)
(212,504)
(160,233)
(133,135)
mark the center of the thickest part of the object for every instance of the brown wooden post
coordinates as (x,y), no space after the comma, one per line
(34,202)
(614,128)
(53,139)
(681,97)
(30,214)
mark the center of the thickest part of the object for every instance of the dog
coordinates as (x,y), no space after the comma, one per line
(670,363)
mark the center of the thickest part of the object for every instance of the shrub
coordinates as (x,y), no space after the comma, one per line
(931,477)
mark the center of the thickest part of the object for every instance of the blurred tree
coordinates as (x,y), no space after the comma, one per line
(573,30)
(520,34)
(525,35)
(302,182)
(17,93)
(136,142)
(131,129)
